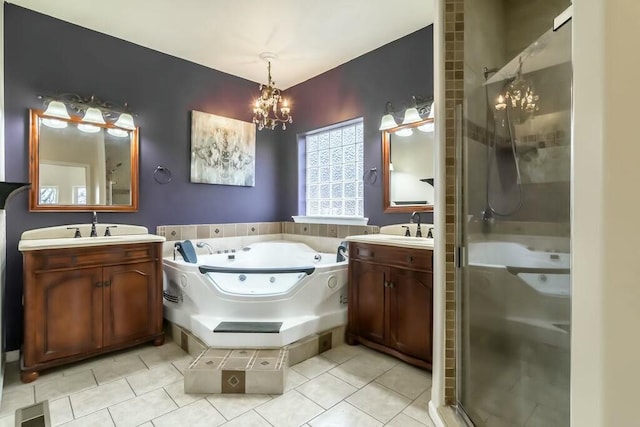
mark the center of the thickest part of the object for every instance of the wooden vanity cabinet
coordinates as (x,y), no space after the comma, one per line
(79,302)
(391,301)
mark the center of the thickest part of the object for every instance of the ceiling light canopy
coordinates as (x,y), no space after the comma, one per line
(269,108)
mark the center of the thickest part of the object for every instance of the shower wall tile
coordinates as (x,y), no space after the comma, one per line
(322,230)
(332,230)
(454,75)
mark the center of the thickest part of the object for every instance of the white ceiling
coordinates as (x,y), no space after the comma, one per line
(308,36)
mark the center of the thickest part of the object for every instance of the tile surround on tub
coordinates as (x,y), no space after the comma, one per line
(208,231)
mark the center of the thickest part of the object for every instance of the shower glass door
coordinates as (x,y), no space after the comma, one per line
(514,283)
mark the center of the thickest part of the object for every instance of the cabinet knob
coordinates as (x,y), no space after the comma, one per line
(107,283)
(392,285)
(98,285)
(409,258)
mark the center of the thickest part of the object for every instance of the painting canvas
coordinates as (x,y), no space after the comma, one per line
(223,151)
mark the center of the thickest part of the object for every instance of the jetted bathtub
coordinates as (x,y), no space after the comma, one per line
(276,281)
(521,287)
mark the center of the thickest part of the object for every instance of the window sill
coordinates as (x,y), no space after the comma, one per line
(326,219)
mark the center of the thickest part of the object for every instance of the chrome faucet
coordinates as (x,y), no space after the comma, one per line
(418,231)
(205,245)
(93,225)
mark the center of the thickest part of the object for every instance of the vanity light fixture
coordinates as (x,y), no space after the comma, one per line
(388,121)
(267,111)
(420,108)
(411,115)
(429,126)
(56,109)
(404,132)
(92,110)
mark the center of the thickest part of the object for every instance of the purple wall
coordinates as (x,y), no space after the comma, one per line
(162,90)
(360,88)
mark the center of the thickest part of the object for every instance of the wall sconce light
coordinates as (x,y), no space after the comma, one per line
(92,112)
(420,110)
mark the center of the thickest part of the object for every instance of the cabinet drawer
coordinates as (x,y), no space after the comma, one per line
(416,259)
(91,256)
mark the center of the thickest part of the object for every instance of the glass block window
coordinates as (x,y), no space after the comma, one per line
(334,169)
(79,195)
(48,195)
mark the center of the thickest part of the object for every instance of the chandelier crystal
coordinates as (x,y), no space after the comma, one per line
(269,108)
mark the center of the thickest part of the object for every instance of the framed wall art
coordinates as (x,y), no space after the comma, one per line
(223,150)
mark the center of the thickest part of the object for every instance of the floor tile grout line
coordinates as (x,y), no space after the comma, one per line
(412,399)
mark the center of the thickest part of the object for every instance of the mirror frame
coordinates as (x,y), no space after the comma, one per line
(386,178)
(34,171)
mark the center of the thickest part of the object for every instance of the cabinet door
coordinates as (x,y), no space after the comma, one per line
(131,302)
(366,303)
(65,315)
(411,312)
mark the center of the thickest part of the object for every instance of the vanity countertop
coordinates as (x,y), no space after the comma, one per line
(393,240)
(78,242)
(61,236)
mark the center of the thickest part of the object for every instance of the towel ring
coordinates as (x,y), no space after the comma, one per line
(162,175)
(371,176)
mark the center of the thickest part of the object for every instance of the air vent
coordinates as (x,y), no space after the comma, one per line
(34,416)
(172,298)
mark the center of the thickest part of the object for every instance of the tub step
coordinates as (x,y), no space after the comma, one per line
(244,371)
(249,327)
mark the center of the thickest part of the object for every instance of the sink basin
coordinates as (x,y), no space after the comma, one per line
(62,236)
(397,230)
(393,240)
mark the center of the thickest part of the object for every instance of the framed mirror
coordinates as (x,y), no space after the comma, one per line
(408,167)
(77,166)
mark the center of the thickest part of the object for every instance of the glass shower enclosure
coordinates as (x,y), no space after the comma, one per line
(514,279)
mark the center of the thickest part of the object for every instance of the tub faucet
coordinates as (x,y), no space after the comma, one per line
(418,231)
(93,225)
(343,252)
(205,245)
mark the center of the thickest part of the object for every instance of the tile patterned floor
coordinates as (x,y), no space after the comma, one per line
(345,386)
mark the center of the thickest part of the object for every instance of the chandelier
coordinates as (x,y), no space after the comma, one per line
(270,109)
(519,96)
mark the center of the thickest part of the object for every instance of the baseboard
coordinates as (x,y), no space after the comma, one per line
(445,416)
(12,356)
